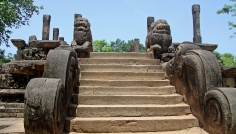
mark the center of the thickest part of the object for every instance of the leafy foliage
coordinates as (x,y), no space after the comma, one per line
(115,46)
(226,59)
(229,9)
(4,58)
(13,14)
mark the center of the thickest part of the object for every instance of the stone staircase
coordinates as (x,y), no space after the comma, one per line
(126,92)
(12,103)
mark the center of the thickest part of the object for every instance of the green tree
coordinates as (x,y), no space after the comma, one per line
(229,9)
(4,58)
(101,46)
(218,56)
(119,46)
(14,14)
(115,46)
(122,46)
(226,59)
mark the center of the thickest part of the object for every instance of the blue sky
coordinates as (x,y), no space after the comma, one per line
(127,19)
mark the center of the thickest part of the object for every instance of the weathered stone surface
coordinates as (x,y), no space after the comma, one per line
(60,79)
(125,83)
(46,27)
(228,71)
(150,20)
(130,124)
(196,24)
(121,68)
(82,42)
(159,38)
(208,47)
(32,38)
(204,46)
(55,33)
(220,110)
(193,71)
(124,55)
(128,99)
(42,115)
(122,76)
(76,16)
(14,81)
(24,67)
(119,61)
(229,76)
(136,45)
(61,38)
(99,90)
(50,44)
(197,75)
(19,43)
(130,110)
(66,64)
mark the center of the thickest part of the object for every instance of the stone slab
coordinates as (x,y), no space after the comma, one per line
(130,124)
(122,76)
(127,99)
(119,61)
(97,90)
(194,130)
(115,55)
(129,110)
(125,83)
(120,68)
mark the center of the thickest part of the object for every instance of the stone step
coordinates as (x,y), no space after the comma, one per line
(130,124)
(125,83)
(120,68)
(11,110)
(122,76)
(193,130)
(128,110)
(12,92)
(124,55)
(119,61)
(127,99)
(97,90)
(12,95)
(11,105)
(12,115)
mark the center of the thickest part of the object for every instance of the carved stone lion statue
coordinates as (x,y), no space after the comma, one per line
(159,38)
(82,42)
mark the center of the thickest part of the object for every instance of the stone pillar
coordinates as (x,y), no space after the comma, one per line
(150,20)
(77,16)
(61,38)
(55,33)
(196,24)
(32,37)
(136,45)
(46,27)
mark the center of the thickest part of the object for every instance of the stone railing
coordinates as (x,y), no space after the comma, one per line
(47,98)
(196,74)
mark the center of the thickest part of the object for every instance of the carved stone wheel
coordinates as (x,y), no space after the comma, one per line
(63,64)
(47,99)
(220,110)
(44,106)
